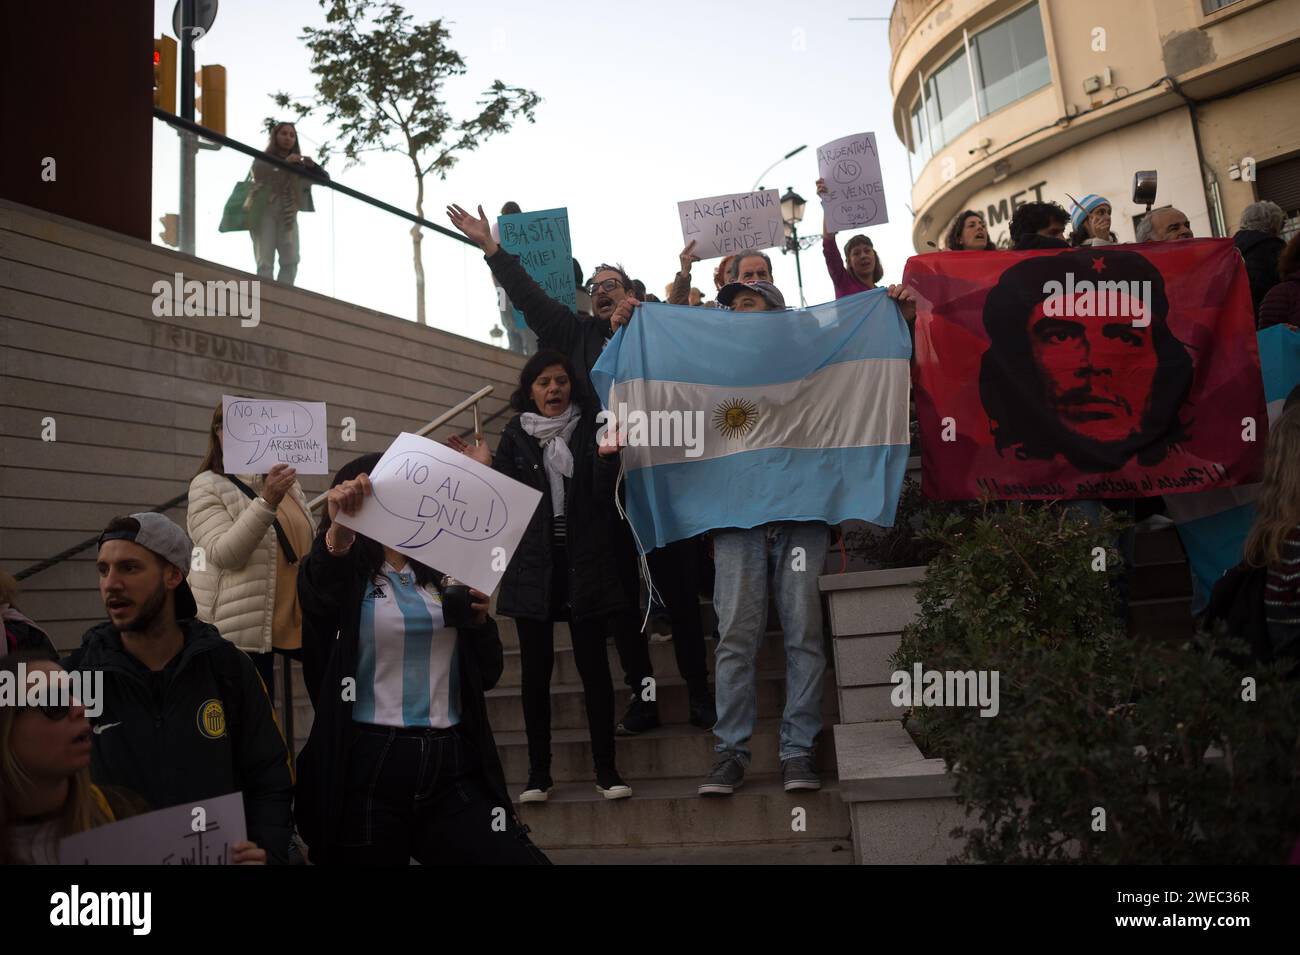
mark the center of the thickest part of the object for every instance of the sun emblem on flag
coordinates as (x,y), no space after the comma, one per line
(735,417)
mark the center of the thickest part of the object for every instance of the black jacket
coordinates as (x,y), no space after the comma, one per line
(201,727)
(591,528)
(1260,250)
(330,590)
(581,337)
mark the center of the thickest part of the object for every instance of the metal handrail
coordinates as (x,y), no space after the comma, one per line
(76,549)
(262,156)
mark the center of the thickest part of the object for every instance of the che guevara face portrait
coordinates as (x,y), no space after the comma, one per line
(1081,362)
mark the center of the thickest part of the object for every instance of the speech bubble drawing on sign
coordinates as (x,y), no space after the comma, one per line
(439,497)
(260,433)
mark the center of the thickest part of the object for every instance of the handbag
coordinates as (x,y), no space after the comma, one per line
(234,217)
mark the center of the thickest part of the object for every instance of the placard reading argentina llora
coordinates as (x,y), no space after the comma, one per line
(445,510)
(258,434)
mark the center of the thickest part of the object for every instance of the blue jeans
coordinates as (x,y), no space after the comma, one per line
(743,558)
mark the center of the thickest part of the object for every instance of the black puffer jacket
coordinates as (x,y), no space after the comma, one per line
(591,519)
(330,590)
(1260,250)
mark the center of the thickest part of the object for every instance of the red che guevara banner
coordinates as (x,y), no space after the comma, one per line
(1102,372)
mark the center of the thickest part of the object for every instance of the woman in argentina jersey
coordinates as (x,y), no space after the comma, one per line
(401,762)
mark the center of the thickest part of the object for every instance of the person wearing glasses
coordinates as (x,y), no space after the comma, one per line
(581,338)
(183,715)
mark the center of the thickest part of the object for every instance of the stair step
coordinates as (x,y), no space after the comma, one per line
(809,852)
(674,751)
(505,706)
(669,812)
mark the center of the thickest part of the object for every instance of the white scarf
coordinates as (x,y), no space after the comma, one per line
(553,435)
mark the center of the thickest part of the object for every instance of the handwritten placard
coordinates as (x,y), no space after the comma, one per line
(445,510)
(851,167)
(541,240)
(258,434)
(199,833)
(725,225)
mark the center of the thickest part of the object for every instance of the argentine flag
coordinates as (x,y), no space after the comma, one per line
(735,419)
(1213,524)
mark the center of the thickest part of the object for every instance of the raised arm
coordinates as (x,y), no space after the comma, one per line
(681,291)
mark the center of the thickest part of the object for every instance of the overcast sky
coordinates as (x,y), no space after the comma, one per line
(643,105)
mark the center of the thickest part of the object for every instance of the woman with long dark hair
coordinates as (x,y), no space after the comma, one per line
(401,762)
(274,202)
(251,530)
(968,233)
(565,567)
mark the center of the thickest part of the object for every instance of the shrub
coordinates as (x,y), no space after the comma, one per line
(905,544)
(1091,722)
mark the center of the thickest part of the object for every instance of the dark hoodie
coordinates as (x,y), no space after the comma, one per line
(1260,250)
(199,728)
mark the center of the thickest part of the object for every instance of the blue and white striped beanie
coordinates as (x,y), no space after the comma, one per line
(1084,206)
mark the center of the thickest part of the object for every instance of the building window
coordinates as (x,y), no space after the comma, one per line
(949,102)
(1011,59)
(920,137)
(1209,6)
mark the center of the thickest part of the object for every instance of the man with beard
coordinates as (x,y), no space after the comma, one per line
(185,716)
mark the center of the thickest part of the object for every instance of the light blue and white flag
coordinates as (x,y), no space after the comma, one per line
(1213,524)
(734,419)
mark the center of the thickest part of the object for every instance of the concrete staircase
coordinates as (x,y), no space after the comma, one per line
(665,821)
(1160,588)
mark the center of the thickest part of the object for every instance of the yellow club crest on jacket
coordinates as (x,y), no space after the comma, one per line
(212,719)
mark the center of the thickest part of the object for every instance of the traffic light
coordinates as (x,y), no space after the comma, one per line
(210,108)
(164,73)
(171,228)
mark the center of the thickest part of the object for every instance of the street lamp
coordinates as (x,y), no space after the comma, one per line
(793,152)
(792,206)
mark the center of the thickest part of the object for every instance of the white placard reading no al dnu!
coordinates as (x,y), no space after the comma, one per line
(446,510)
(258,434)
(851,167)
(199,833)
(726,225)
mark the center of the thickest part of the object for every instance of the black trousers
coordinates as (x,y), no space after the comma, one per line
(676,570)
(419,794)
(537,659)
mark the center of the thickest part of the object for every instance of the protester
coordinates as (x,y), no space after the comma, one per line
(521,341)
(968,233)
(565,565)
(743,557)
(45,788)
(20,633)
(276,198)
(1274,540)
(1281,306)
(401,762)
(184,716)
(1163,224)
(750,267)
(582,339)
(251,530)
(1259,241)
(864,269)
(1090,217)
(1041,218)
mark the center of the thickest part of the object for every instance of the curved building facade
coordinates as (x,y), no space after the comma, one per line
(1002,102)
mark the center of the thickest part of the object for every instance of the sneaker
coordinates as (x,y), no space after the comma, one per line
(799,773)
(538,788)
(702,713)
(641,715)
(610,784)
(727,775)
